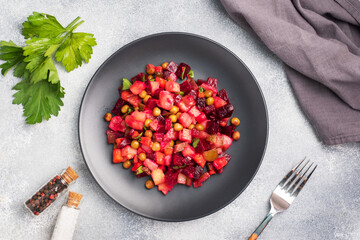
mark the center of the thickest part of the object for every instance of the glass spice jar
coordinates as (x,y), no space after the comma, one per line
(48,193)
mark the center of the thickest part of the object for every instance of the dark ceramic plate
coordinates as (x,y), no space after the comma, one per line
(208,59)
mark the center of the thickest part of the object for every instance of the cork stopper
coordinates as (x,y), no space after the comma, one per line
(73,199)
(69,175)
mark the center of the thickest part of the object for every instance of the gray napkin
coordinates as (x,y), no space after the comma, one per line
(319,41)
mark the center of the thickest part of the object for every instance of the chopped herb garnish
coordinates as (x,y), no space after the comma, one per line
(126,84)
(195,142)
(201,89)
(191,74)
(139,170)
(183,72)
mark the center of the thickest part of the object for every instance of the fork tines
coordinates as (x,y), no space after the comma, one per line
(297,181)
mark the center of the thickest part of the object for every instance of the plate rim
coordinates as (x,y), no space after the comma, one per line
(215,43)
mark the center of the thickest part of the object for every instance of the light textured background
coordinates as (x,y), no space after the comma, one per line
(328,208)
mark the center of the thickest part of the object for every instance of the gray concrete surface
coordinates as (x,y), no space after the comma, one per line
(328,208)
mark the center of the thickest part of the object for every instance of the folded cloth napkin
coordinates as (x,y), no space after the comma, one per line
(319,41)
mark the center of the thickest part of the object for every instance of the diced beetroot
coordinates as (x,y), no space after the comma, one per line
(170,135)
(203,135)
(181,178)
(200,81)
(185,119)
(212,82)
(145,141)
(172,67)
(188,182)
(201,179)
(112,135)
(208,87)
(154,125)
(227,142)
(146,170)
(182,106)
(223,95)
(195,112)
(158,137)
(212,127)
(137,87)
(185,87)
(158,70)
(188,161)
(158,176)
(150,164)
(171,177)
(168,151)
(167,160)
(117,157)
(172,87)
(188,151)
(220,163)
(160,158)
(136,166)
(209,110)
(185,135)
(139,116)
(131,98)
(210,167)
(189,101)
(161,81)
(128,152)
(177,98)
(170,76)
(182,70)
(193,84)
(164,188)
(195,133)
(225,111)
(140,77)
(166,100)
(115,124)
(201,117)
(201,103)
(131,122)
(198,171)
(202,146)
(154,86)
(218,102)
(122,142)
(157,92)
(151,103)
(189,171)
(164,144)
(177,159)
(194,94)
(162,168)
(227,130)
(118,105)
(227,156)
(167,124)
(199,159)
(179,147)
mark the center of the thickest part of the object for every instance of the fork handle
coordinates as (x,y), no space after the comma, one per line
(262,226)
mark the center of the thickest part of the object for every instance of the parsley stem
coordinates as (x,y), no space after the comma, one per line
(72,23)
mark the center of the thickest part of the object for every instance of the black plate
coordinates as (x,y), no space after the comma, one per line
(208,59)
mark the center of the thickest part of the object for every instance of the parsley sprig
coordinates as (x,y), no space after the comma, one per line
(48,41)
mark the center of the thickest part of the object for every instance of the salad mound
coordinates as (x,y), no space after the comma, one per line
(174,133)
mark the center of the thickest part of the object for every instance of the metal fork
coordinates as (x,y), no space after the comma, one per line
(285,193)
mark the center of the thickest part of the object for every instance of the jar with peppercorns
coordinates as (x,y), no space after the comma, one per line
(48,193)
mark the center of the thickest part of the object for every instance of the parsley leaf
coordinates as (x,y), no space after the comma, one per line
(42,25)
(40,91)
(201,89)
(126,84)
(40,100)
(76,48)
(13,55)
